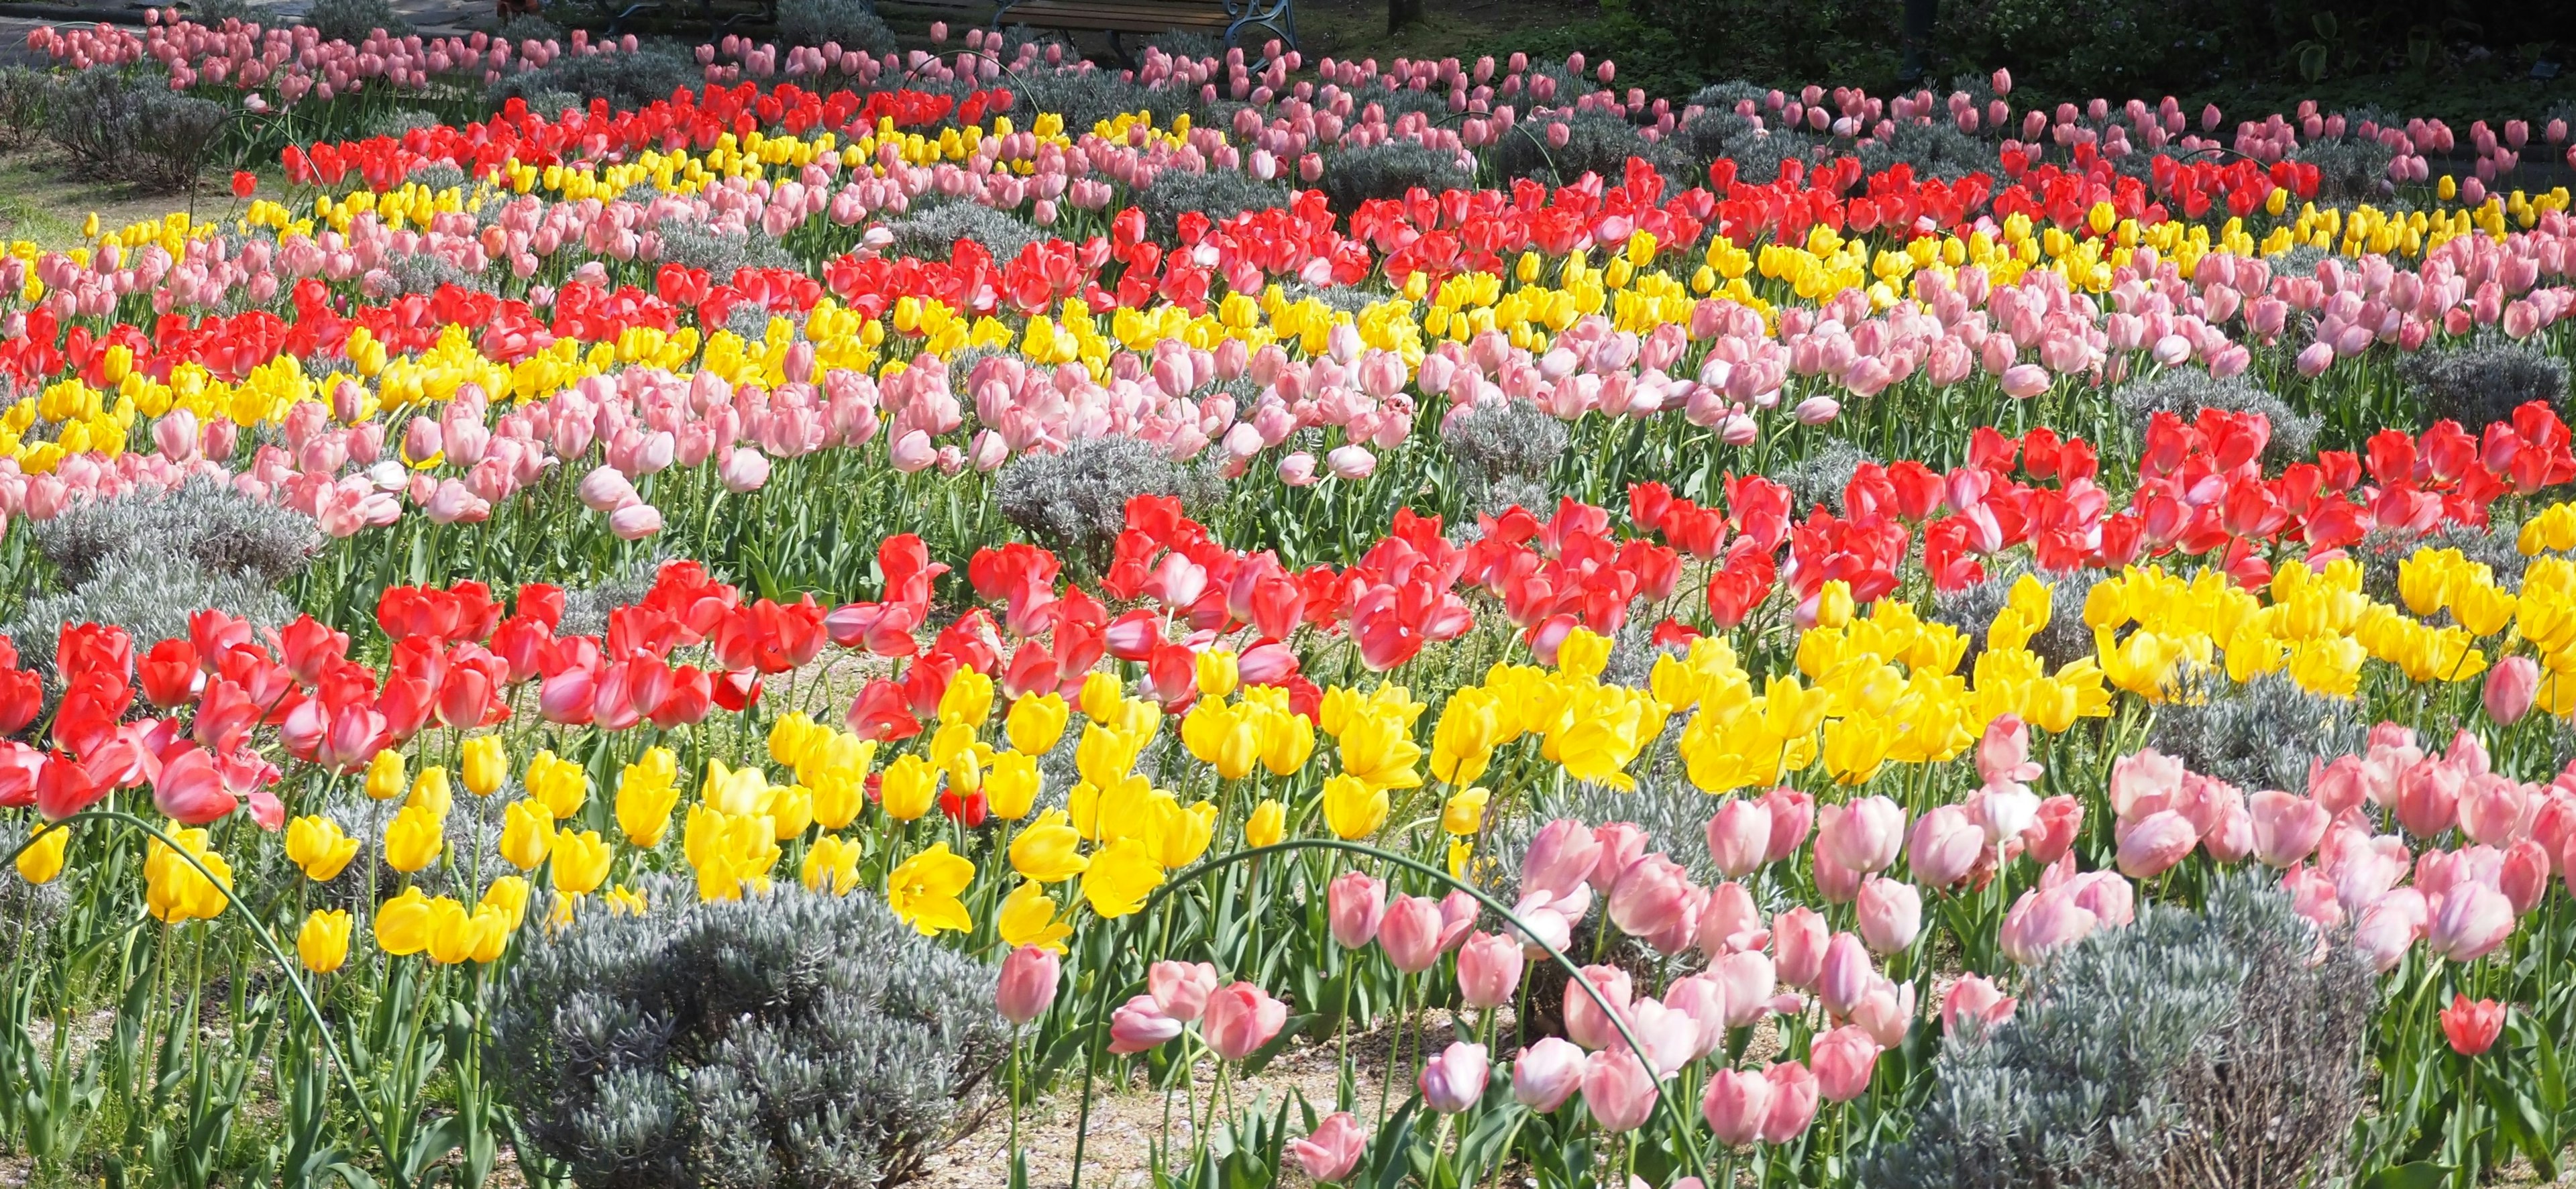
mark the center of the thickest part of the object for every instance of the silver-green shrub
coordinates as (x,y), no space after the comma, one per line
(2257,735)
(1075,502)
(1388,170)
(2211,1048)
(206,523)
(787,1040)
(2483,382)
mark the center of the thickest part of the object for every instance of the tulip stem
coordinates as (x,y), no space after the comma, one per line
(1394,1050)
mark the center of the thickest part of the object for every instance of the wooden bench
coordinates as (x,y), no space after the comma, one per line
(1233,22)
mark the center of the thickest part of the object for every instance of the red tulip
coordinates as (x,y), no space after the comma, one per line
(168,673)
(2472,1025)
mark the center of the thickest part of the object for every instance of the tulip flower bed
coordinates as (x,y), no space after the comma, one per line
(746,638)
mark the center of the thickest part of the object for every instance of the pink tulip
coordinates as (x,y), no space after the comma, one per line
(1410,933)
(1560,858)
(1730,921)
(2023,381)
(1619,1090)
(2428,797)
(2511,687)
(1489,970)
(2111,900)
(2143,783)
(1739,834)
(1351,463)
(1027,986)
(1546,1073)
(1653,897)
(2052,834)
(1354,904)
(1945,846)
(1332,1151)
(2003,752)
(2389,927)
(2525,876)
(1622,844)
(1798,940)
(1240,1019)
(744,470)
(1585,1022)
(1793,814)
(1702,998)
(1845,975)
(1181,989)
(2156,843)
(2287,828)
(635,522)
(1843,1060)
(2495,810)
(1138,1025)
(1974,1000)
(1891,914)
(1454,1078)
(2470,921)
(1735,1104)
(1793,1102)
(1864,835)
(2043,922)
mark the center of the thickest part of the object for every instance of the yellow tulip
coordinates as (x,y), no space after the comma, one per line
(430,791)
(1267,825)
(43,858)
(558,784)
(486,765)
(790,809)
(414,839)
(509,896)
(1181,833)
(1036,721)
(385,779)
(1102,698)
(955,750)
(734,791)
(1378,748)
(1583,653)
(923,891)
(832,863)
(1834,604)
(323,942)
(1012,786)
(451,932)
(402,923)
(793,737)
(1227,737)
(1218,671)
(625,901)
(581,861)
(1464,812)
(908,789)
(1353,808)
(316,844)
(1028,918)
(1120,877)
(967,701)
(646,794)
(836,769)
(527,834)
(1049,851)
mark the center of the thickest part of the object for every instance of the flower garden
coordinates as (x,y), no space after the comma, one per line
(875,601)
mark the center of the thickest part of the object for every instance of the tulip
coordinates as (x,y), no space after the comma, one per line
(1560,858)
(1843,1060)
(1891,914)
(2287,828)
(1863,836)
(2042,922)
(2511,687)
(1332,1151)
(1845,975)
(1739,834)
(635,522)
(1945,846)
(1240,1019)
(1489,970)
(1586,1021)
(1454,1078)
(1977,1001)
(2469,922)
(1618,1090)
(2156,843)
(1546,1073)
(1730,921)
(1027,986)
(1410,933)
(1735,1105)
(1622,845)
(1653,897)
(1793,1102)
(323,942)
(1798,940)
(1138,1025)
(2472,1026)
(1181,989)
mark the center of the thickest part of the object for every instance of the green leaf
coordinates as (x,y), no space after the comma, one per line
(2423,1174)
